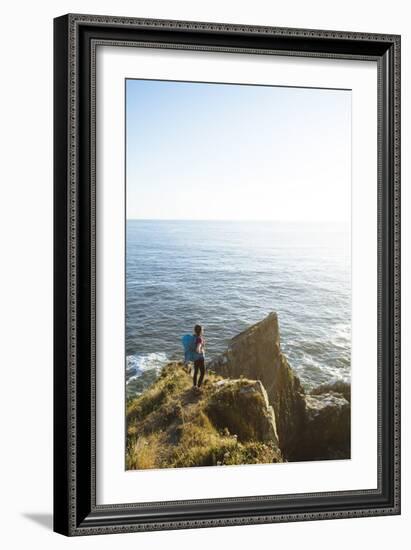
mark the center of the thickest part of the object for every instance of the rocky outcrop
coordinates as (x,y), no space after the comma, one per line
(310,426)
(242,407)
(327,433)
(338,387)
(174,425)
(255,353)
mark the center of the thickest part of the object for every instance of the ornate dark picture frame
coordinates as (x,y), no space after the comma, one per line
(75,40)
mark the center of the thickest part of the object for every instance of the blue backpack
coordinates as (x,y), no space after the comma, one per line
(189,345)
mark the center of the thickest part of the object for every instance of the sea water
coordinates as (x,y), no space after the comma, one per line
(227,275)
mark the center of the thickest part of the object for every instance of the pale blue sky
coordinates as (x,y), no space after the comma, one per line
(236,152)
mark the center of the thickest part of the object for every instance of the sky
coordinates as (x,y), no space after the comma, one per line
(204,151)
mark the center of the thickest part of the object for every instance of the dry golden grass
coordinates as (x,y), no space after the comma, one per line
(172,425)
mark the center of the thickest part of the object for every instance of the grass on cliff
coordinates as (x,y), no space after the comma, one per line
(170,425)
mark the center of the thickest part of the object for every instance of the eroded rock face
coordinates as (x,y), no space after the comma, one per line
(312,426)
(327,434)
(243,408)
(255,353)
(337,387)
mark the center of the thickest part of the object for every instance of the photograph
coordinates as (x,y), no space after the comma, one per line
(227,273)
(237,274)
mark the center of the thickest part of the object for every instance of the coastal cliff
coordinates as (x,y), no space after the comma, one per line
(228,422)
(311,426)
(252,409)
(256,353)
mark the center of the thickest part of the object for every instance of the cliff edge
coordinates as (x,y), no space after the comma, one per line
(228,422)
(252,409)
(314,426)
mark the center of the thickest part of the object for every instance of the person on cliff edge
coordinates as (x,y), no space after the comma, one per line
(199,362)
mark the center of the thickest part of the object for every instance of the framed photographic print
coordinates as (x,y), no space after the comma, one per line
(227,274)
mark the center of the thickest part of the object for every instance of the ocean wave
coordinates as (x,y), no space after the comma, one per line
(138,364)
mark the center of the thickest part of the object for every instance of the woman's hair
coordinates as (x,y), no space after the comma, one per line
(198,329)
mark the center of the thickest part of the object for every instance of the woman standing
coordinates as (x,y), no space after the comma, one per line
(199,362)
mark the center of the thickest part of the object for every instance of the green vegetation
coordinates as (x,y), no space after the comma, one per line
(172,425)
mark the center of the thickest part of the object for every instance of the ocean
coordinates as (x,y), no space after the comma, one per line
(227,275)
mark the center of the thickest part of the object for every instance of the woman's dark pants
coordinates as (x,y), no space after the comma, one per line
(198,366)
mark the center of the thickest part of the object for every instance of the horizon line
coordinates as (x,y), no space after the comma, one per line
(231,220)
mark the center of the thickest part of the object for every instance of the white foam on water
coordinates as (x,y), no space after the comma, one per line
(137,364)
